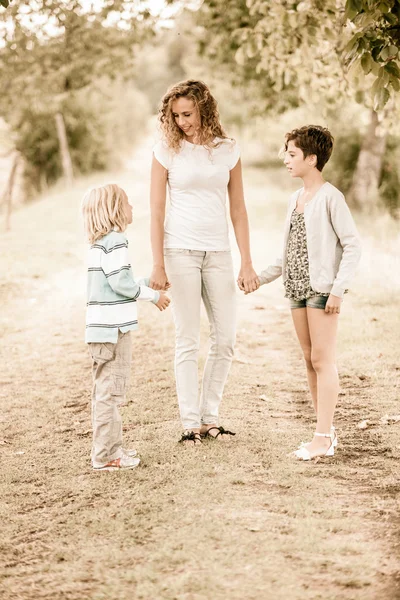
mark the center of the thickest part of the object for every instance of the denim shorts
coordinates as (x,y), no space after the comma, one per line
(313,302)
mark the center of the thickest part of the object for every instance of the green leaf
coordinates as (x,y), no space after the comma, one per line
(351,48)
(366,62)
(384,55)
(5,3)
(383,76)
(392,51)
(391,18)
(377,85)
(384,8)
(375,68)
(381,98)
(353,7)
(395,83)
(393,69)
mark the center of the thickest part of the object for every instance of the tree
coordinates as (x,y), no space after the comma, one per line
(308,51)
(52,49)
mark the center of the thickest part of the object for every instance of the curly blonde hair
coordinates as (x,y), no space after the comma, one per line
(204,101)
(102,210)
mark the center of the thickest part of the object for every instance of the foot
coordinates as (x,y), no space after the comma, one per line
(130,453)
(119,464)
(322,445)
(334,436)
(215,432)
(191,438)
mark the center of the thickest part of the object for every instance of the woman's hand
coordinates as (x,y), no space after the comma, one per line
(333,305)
(248,279)
(159,280)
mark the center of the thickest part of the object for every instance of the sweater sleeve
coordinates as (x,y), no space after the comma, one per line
(345,229)
(271,273)
(118,271)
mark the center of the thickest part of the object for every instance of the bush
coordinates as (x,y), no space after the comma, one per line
(102,124)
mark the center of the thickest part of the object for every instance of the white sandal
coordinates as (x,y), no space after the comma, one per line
(303,454)
(334,437)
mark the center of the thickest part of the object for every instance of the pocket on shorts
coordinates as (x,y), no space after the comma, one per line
(102,353)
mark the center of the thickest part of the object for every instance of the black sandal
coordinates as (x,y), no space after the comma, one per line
(221,431)
(190,436)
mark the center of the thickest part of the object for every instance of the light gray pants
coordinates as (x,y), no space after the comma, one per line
(196,276)
(111,374)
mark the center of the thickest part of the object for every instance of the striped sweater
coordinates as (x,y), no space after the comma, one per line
(112,291)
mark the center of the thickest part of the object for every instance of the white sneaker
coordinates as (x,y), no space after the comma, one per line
(130,453)
(118,464)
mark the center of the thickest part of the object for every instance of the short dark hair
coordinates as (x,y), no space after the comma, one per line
(312,139)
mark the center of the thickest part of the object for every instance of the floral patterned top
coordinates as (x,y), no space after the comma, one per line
(297,284)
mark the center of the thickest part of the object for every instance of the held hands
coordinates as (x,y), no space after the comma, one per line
(159,280)
(163,301)
(333,305)
(248,280)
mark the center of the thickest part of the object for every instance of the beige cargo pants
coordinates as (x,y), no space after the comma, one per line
(111,374)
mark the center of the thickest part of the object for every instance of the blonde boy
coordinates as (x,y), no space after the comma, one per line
(112,293)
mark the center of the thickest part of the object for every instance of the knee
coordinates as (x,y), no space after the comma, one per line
(224,345)
(187,347)
(307,358)
(319,362)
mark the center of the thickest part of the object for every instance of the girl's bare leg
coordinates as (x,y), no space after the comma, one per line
(300,321)
(323,331)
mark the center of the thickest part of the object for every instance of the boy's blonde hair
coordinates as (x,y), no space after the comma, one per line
(103,212)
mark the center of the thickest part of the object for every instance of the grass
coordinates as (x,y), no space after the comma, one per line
(237,519)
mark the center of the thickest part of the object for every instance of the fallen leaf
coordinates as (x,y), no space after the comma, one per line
(362,377)
(263,397)
(19,453)
(3,442)
(364,424)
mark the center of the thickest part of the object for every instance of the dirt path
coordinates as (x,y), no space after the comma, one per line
(238,519)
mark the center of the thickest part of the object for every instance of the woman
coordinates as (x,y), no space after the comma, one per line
(198,163)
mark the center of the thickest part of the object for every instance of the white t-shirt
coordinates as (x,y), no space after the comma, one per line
(197,184)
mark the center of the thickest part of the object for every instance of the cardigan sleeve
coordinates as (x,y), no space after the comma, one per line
(345,228)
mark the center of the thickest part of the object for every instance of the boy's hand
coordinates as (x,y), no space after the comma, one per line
(332,307)
(163,301)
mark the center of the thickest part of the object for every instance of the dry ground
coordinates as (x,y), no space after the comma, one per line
(238,520)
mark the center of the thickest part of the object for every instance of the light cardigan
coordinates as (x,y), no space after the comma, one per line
(333,243)
(112,291)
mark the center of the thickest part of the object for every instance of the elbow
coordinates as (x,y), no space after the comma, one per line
(238,215)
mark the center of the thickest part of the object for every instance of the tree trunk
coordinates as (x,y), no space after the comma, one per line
(8,193)
(64,149)
(367,175)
